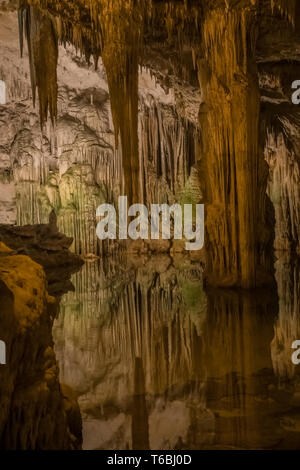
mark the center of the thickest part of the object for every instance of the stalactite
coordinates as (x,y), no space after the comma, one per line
(120,31)
(287,8)
(43,54)
(122,27)
(168,147)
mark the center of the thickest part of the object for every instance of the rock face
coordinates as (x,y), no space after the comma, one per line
(29,380)
(47,247)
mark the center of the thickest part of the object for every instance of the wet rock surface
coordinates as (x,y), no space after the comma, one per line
(35,414)
(47,247)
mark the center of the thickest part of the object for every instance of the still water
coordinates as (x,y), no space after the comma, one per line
(158,362)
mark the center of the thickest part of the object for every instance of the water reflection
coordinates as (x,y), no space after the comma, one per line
(157,362)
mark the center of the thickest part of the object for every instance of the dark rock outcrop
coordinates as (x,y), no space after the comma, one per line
(35,413)
(47,247)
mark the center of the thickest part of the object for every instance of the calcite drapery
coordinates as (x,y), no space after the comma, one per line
(232,163)
(122,26)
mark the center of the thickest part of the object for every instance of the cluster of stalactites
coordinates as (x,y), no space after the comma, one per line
(286,7)
(111,28)
(114,29)
(121,23)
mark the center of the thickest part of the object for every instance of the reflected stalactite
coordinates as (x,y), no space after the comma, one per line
(240,377)
(287,326)
(151,354)
(140,331)
(140,431)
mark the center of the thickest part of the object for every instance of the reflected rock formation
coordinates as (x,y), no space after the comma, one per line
(128,341)
(157,362)
(240,376)
(287,325)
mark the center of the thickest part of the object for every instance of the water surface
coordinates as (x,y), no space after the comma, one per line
(159,362)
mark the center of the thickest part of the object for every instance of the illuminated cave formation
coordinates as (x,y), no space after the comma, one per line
(199,95)
(221,37)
